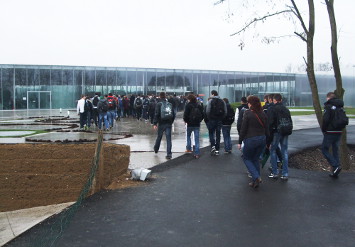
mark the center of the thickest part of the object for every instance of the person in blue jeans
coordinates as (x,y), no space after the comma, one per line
(226,127)
(253,133)
(274,114)
(102,109)
(163,124)
(193,115)
(332,134)
(216,110)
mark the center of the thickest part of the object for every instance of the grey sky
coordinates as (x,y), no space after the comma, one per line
(182,34)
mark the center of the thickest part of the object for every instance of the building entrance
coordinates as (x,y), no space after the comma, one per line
(39,100)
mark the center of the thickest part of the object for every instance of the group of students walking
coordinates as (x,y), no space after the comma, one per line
(217,114)
(263,130)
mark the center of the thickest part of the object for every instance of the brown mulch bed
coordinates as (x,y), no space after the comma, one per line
(313,160)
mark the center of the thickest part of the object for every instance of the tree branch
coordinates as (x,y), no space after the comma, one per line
(300,36)
(299,16)
(259,19)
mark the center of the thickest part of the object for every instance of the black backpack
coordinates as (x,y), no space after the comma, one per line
(217,108)
(340,120)
(166,111)
(138,103)
(102,106)
(284,120)
(229,119)
(95,101)
(152,103)
(196,115)
(145,103)
(86,106)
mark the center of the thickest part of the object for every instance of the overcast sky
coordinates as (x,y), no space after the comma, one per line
(180,34)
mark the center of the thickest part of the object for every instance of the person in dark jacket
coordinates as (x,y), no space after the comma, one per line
(193,124)
(226,127)
(277,139)
(239,113)
(215,105)
(163,126)
(253,133)
(332,135)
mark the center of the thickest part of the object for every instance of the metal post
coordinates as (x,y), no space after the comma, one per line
(14,90)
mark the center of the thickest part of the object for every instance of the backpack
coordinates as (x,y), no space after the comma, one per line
(217,108)
(195,116)
(240,118)
(138,103)
(284,120)
(145,103)
(340,120)
(152,103)
(166,111)
(229,119)
(86,106)
(103,106)
(111,103)
(95,101)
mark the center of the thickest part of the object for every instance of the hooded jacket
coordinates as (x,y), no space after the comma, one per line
(328,115)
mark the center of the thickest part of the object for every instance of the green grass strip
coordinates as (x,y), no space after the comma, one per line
(35,132)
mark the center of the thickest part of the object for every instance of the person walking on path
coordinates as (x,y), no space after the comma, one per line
(253,133)
(103,108)
(80,109)
(138,105)
(193,115)
(332,129)
(112,108)
(239,113)
(163,119)
(280,127)
(95,102)
(89,112)
(216,111)
(226,127)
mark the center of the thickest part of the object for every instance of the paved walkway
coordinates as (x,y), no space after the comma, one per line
(207,202)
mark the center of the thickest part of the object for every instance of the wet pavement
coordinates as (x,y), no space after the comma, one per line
(200,202)
(207,202)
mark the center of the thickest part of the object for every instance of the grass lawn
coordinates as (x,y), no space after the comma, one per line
(35,132)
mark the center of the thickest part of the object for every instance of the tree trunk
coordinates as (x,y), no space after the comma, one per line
(310,63)
(339,92)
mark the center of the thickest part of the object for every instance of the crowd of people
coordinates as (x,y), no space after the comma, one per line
(103,111)
(263,127)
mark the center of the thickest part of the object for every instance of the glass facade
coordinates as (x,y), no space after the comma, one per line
(45,87)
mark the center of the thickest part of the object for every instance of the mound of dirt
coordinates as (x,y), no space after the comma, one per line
(313,160)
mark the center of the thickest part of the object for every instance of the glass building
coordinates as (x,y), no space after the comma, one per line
(54,87)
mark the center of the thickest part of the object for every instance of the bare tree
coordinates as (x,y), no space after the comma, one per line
(308,37)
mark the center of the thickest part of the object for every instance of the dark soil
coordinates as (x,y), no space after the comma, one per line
(313,160)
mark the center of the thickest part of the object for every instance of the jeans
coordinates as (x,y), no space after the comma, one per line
(214,132)
(161,129)
(103,117)
(196,131)
(226,130)
(145,113)
(283,141)
(331,140)
(83,119)
(253,147)
(111,115)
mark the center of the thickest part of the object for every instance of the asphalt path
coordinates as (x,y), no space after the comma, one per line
(207,202)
